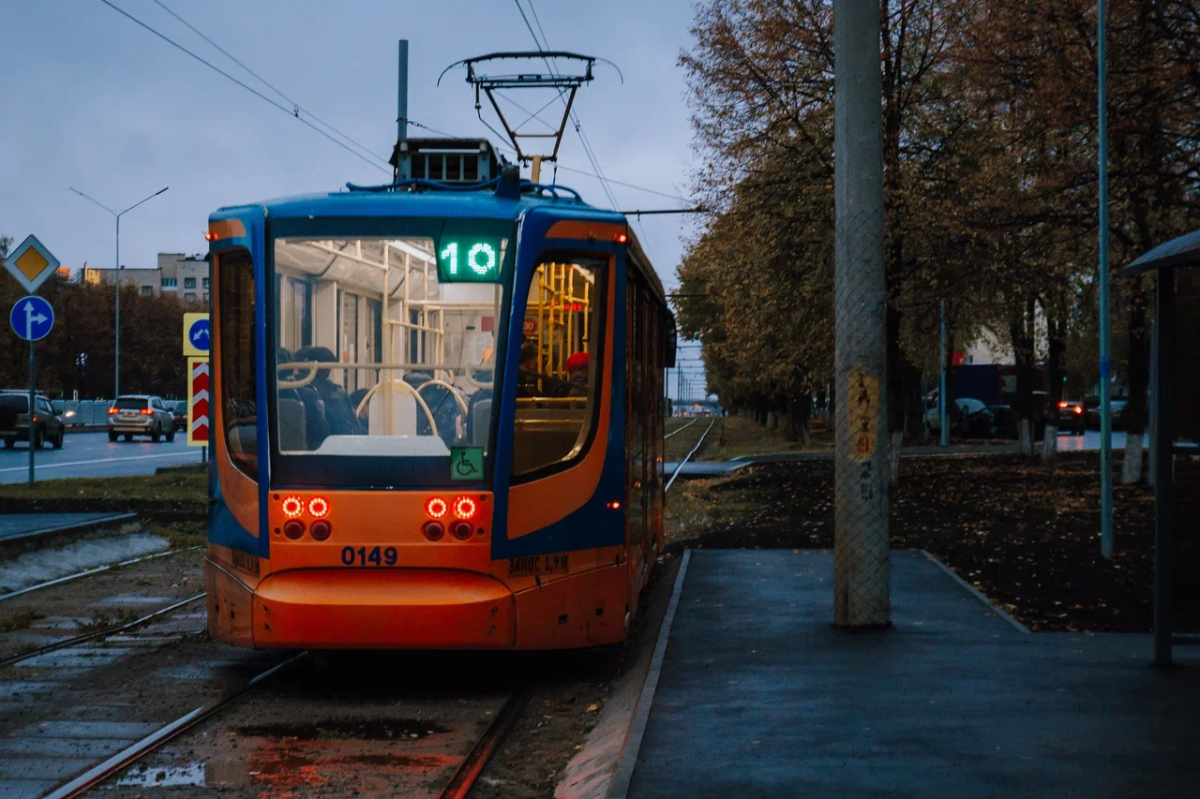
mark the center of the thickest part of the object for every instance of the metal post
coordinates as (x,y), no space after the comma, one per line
(117,320)
(402,93)
(1106,475)
(32,412)
(1164,454)
(861,576)
(943,421)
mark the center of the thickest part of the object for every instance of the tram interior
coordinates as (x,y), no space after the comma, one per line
(411,360)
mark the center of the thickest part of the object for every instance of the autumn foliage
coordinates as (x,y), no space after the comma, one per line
(990,149)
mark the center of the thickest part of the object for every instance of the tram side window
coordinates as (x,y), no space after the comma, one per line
(236,319)
(558,384)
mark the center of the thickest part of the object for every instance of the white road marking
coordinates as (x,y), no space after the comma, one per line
(99,460)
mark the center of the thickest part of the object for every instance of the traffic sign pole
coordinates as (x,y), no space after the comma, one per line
(32,387)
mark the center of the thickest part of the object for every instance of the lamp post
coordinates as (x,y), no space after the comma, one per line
(1106,476)
(117,281)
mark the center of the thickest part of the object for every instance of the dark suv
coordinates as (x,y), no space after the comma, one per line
(14,420)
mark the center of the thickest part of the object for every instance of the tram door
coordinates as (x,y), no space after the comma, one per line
(640,429)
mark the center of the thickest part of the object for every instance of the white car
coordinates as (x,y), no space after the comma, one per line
(140,415)
(962,407)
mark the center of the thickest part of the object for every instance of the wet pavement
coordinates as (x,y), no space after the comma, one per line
(25,525)
(760,695)
(93,455)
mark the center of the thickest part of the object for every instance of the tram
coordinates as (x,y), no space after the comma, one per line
(437,419)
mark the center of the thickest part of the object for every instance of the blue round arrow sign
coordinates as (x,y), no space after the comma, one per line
(31,318)
(198,334)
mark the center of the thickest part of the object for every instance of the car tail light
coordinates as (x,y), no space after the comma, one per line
(434,530)
(465,508)
(112,411)
(146,412)
(1078,409)
(1062,404)
(461,530)
(35,418)
(293,529)
(436,507)
(320,530)
(319,508)
(292,507)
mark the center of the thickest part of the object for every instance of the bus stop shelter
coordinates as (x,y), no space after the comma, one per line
(1175,386)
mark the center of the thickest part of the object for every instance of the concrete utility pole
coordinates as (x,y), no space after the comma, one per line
(861,577)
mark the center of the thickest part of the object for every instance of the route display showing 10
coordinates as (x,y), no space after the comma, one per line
(469,260)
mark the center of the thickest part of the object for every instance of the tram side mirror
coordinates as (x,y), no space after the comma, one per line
(672,342)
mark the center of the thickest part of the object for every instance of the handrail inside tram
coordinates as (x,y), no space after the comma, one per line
(405,387)
(462,403)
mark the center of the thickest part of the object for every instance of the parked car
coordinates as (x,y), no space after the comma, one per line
(1116,414)
(1071,417)
(180,411)
(140,415)
(14,420)
(962,409)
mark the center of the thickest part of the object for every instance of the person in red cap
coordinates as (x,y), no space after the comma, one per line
(577,373)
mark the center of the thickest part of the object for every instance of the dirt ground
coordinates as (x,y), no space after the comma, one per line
(1025,534)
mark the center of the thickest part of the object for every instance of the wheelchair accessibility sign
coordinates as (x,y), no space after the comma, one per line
(466,463)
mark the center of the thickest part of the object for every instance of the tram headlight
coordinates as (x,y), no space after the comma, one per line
(434,530)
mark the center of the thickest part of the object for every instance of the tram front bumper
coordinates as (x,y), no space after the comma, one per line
(382,609)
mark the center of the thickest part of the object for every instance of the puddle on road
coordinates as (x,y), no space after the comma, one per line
(336,730)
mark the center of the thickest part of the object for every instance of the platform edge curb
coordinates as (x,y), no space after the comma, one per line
(978,594)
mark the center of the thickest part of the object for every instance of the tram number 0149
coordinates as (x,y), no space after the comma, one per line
(375,556)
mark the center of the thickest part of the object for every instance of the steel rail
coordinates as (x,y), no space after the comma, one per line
(689,455)
(472,766)
(685,427)
(96,570)
(79,639)
(127,757)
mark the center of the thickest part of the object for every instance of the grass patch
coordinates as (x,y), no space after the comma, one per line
(20,620)
(735,437)
(172,500)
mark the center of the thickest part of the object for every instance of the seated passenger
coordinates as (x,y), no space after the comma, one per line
(577,374)
(527,376)
(339,413)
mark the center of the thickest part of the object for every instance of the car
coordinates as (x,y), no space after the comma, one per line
(1116,414)
(1071,416)
(140,415)
(963,409)
(14,420)
(179,410)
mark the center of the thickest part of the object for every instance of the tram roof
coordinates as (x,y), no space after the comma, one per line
(451,204)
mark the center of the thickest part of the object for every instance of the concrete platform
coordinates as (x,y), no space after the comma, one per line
(759,695)
(26,525)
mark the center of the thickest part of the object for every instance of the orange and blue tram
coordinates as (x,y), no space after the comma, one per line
(437,419)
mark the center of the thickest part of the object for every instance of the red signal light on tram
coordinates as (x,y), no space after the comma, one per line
(436,507)
(613,505)
(465,508)
(292,507)
(210,236)
(622,238)
(318,507)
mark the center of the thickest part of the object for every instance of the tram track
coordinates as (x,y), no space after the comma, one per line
(681,428)
(89,572)
(691,452)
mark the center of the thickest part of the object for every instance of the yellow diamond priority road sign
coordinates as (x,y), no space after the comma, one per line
(31,264)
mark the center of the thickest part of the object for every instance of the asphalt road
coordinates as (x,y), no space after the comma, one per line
(91,455)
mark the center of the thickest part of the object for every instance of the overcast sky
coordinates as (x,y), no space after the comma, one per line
(91,100)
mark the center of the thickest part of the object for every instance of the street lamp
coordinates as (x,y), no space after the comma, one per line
(117,280)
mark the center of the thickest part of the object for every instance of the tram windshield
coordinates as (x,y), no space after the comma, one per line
(385,356)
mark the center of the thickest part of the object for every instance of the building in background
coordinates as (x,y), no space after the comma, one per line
(186,276)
